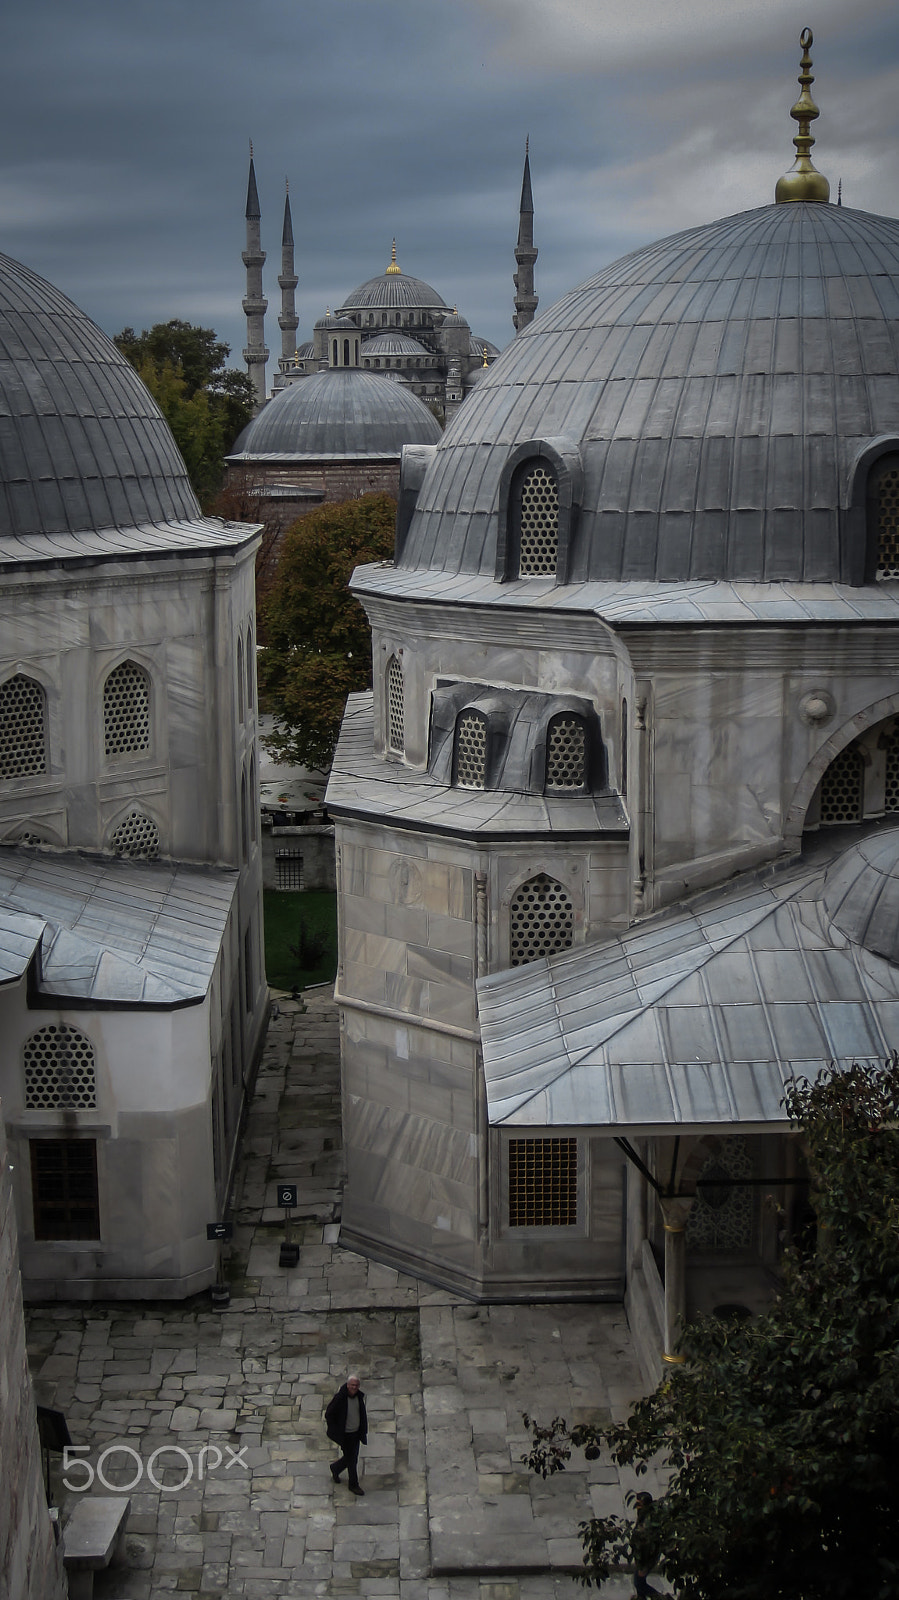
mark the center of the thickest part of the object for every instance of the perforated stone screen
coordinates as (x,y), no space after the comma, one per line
(721,1216)
(538,544)
(891,796)
(136,837)
(542,1183)
(396,711)
(126,710)
(566,753)
(59,1070)
(887,501)
(23,749)
(842,787)
(541,920)
(471,750)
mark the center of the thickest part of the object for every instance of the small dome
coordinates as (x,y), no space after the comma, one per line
(479,345)
(861,894)
(454,321)
(332,321)
(83,446)
(393,344)
(343,412)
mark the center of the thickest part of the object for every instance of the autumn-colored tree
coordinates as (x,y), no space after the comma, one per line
(782,1434)
(318,643)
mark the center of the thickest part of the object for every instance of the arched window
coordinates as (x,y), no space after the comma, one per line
(883,513)
(251,669)
(842,787)
(470,764)
(239,678)
(23,744)
(383,319)
(254,798)
(334,352)
(126,710)
(541,920)
(566,752)
(59,1070)
(535,519)
(244,820)
(346,352)
(136,837)
(396,710)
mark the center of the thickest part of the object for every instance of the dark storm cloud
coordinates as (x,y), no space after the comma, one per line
(126,127)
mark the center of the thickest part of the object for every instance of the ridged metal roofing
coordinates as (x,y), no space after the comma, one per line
(114,931)
(689,1020)
(392,344)
(83,447)
(719,385)
(344,412)
(393,291)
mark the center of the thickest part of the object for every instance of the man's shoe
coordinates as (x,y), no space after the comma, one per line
(335,1471)
(355,1489)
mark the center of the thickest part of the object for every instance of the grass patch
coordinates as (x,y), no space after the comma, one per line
(300,937)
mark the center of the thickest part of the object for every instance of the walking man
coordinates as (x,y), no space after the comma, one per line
(347,1424)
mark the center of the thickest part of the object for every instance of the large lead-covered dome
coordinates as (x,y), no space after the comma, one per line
(713,399)
(343,412)
(83,447)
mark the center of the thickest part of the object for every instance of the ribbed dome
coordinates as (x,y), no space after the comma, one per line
(342,412)
(719,386)
(393,344)
(393,290)
(861,894)
(83,447)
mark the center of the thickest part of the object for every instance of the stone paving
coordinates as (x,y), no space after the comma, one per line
(223,1409)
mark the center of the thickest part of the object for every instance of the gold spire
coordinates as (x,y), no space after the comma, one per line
(802,182)
(484,363)
(393,268)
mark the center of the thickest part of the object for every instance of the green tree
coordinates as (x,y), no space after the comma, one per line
(205,403)
(782,1435)
(317,640)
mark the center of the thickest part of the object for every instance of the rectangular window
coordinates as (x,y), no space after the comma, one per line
(248,974)
(290,868)
(64,1189)
(542,1183)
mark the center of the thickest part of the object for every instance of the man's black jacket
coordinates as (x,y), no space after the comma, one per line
(335,1416)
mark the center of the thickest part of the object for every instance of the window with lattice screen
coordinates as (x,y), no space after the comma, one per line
(542,1183)
(64,1188)
(396,708)
(541,920)
(883,501)
(126,710)
(59,1070)
(136,837)
(536,515)
(891,784)
(566,752)
(23,741)
(470,764)
(842,787)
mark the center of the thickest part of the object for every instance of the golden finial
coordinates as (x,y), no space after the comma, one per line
(484,363)
(802,182)
(393,268)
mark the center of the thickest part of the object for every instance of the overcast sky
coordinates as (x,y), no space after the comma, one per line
(126,123)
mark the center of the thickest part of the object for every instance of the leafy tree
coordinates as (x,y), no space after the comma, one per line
(318,644)
(204,403)
(782,1435)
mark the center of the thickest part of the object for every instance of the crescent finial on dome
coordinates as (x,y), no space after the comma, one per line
(393,268)
(803,182)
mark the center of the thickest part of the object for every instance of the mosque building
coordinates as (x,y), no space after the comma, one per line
(132,990)
(615,831)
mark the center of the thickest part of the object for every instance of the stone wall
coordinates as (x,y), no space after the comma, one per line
(30,1560)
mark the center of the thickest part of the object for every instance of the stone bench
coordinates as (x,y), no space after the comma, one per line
(90,1539)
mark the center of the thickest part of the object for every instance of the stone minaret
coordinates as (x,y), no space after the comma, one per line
(255,303)
(525,253)
(287,282)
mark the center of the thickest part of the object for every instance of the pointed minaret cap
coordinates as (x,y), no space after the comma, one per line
(393,269)
(803,182)
(527,198)
(287,232)
(253,211)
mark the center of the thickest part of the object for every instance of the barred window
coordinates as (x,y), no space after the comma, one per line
(891,786)
(289,865)
(842,787)
(64,1189)
(136,837)
(396,710)
(471,750)
(23,744)
(126,710)
(883,499)
(541,920)
(537,510)
(542,1183)
(59,1070)
(566,752)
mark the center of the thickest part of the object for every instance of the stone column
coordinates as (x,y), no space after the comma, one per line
(675,1212)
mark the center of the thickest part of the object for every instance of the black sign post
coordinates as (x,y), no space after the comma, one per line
(216,1232)
(287,1198)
